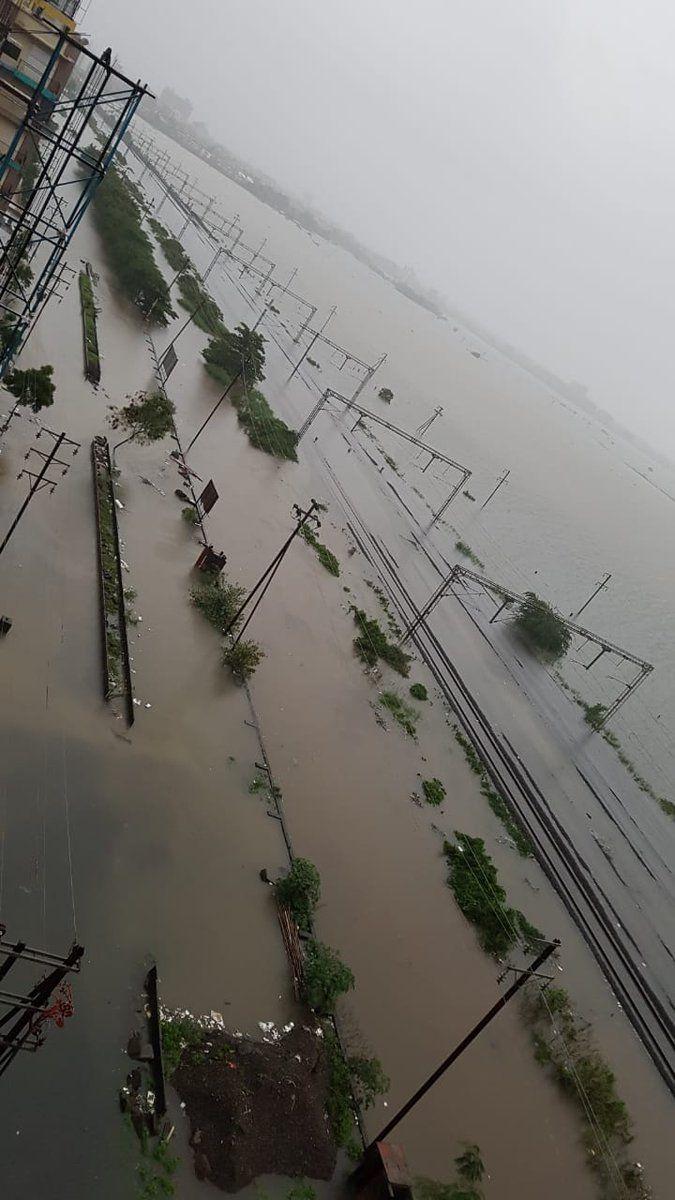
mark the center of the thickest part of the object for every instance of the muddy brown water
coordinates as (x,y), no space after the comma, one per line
(167,842)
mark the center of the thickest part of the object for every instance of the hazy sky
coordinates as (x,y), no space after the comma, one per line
(517,153)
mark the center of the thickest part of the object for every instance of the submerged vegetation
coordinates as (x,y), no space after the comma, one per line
(324,555)
(470,1171)
(325,977)
(372,644)
(542,627)
(219,602)
(475,885)
(434,791)
(402,712)
(496,801)
(236,359)
(594,715)
(463,548)
(243,658)
(562,1043)
(350,1079)
(148,417)
(300,889)
(117,216)
(419,692)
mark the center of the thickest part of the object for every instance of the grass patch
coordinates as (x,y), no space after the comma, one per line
(402,712)
(324,555)
(372,644)
(92,362)
(419,692)
(496,801)
(263,428)
(463,548)
(173,252)
(434,792)
(475,885)
(179,1035)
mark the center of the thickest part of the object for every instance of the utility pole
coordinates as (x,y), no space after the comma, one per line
(592,596)
(317,335)
(422,429)
(268,574)
(41,480)
(495,489)
(31,1011)
(519,982)
(218,403)
(247,266)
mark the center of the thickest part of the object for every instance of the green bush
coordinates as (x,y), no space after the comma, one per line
(148,417)
(434,792)
(300,889)
(195,298)
(325,977)
(542,627)
(594,715)
(174,253)
(190,515)
(117,216)
(419,692)
(218,601)
(243,658)
(373,644)
(324,555)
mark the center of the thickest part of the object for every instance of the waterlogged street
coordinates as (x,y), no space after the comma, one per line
(147,842)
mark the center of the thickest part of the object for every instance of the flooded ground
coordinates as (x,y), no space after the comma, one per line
(167,842)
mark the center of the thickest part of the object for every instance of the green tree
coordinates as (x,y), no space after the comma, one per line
(242,658)
(238,352)
(386,394)
(470,1166)
(148,417)
(542,626)
(594,715)
(32,387)
(325,977)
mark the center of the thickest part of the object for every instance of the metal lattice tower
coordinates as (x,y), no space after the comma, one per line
(51,169)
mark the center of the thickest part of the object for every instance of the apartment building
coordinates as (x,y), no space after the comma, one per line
(27,43)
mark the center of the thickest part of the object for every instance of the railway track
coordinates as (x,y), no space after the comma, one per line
(615,950)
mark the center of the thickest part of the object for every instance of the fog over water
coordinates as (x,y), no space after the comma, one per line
(517,157)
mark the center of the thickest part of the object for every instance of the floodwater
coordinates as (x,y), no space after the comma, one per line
(167,842)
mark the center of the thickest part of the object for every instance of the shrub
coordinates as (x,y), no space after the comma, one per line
(190,515)
(243,658)
(325,977)
(324,555)
(542,627)
(419,692)
(368,1079)
(386,394)
(373,644)
(300,889)
(195,298)
(218,601)
(434,792)
(594,715)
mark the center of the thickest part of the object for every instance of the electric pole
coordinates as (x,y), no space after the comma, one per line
(41,480)
(21,1027)
(592,596)
(495,489)
(519,982)
(268,574)
(422,429)
(315,338)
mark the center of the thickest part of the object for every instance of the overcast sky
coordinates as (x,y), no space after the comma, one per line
(517,153)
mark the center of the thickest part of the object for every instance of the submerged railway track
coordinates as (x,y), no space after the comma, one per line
(615,950)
